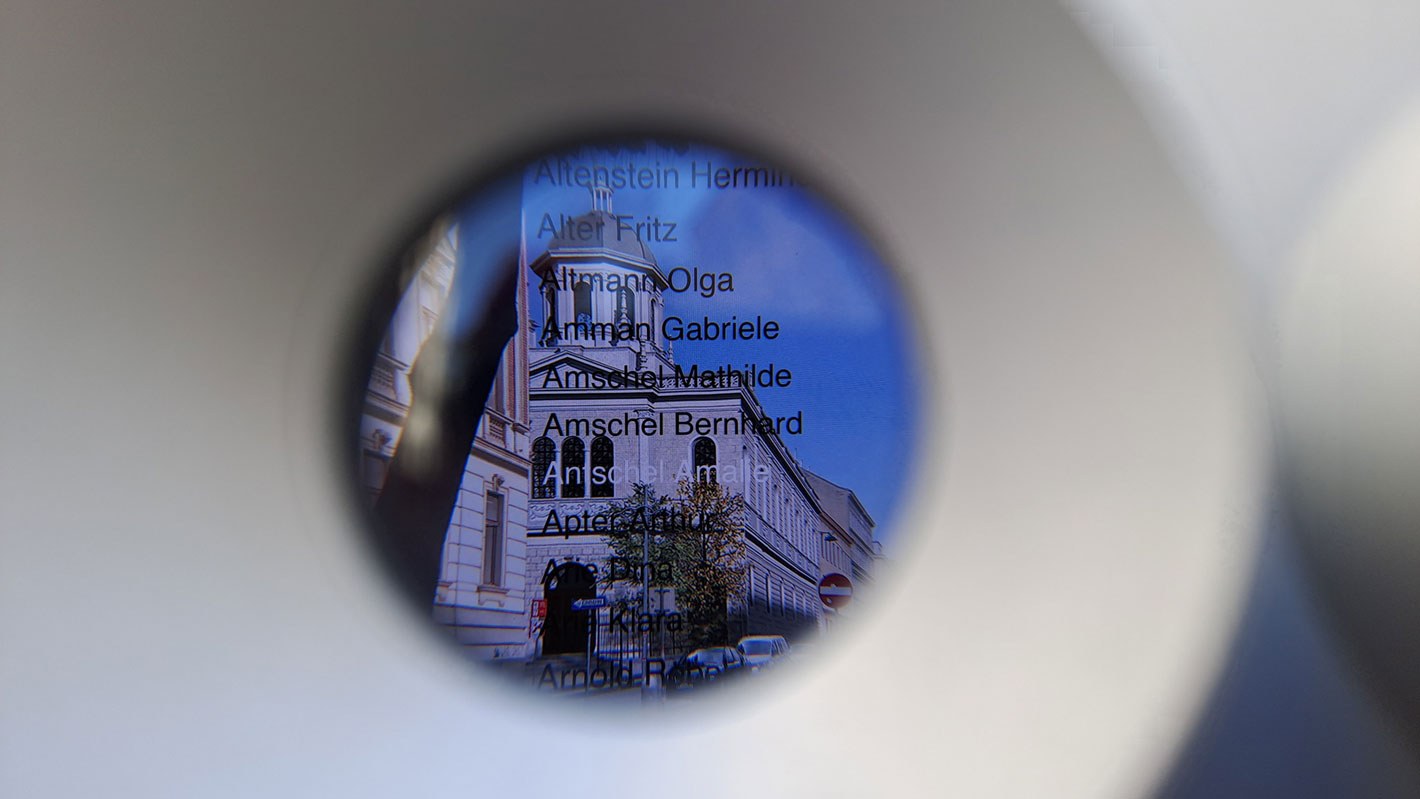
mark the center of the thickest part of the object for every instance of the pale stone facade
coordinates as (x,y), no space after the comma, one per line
(848,545)
(481,594)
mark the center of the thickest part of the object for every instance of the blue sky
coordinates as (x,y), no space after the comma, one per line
(845,334)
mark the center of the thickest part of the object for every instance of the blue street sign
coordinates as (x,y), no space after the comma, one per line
(590,604)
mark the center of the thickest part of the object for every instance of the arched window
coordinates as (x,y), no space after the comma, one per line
(574,467)
(550,332)
(603,458)
(544,471)
(582,307)
(759,493)
(625,306)
(702,458)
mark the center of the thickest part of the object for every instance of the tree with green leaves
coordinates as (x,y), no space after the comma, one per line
(696,544)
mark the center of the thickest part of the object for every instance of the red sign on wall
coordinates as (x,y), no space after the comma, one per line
(835,590)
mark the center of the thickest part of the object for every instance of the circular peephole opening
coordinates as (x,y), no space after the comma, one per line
(637,420)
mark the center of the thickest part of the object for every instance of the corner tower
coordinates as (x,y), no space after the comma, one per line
(602,291)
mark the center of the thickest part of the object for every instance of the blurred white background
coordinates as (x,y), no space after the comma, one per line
(1268,106)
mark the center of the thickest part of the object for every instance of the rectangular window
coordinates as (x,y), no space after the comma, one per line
(493,539)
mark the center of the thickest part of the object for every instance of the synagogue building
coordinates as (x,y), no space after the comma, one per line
(609,406)
(588,402)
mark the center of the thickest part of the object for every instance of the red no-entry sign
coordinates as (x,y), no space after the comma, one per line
(835,590)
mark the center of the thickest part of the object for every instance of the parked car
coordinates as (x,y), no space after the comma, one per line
(705,665)
(762,650)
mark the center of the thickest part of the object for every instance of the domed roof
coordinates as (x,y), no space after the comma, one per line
(599,230)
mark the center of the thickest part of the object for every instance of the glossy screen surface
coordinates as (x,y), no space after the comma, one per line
(639,420)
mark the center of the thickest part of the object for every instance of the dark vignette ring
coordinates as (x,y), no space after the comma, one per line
(392,274)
